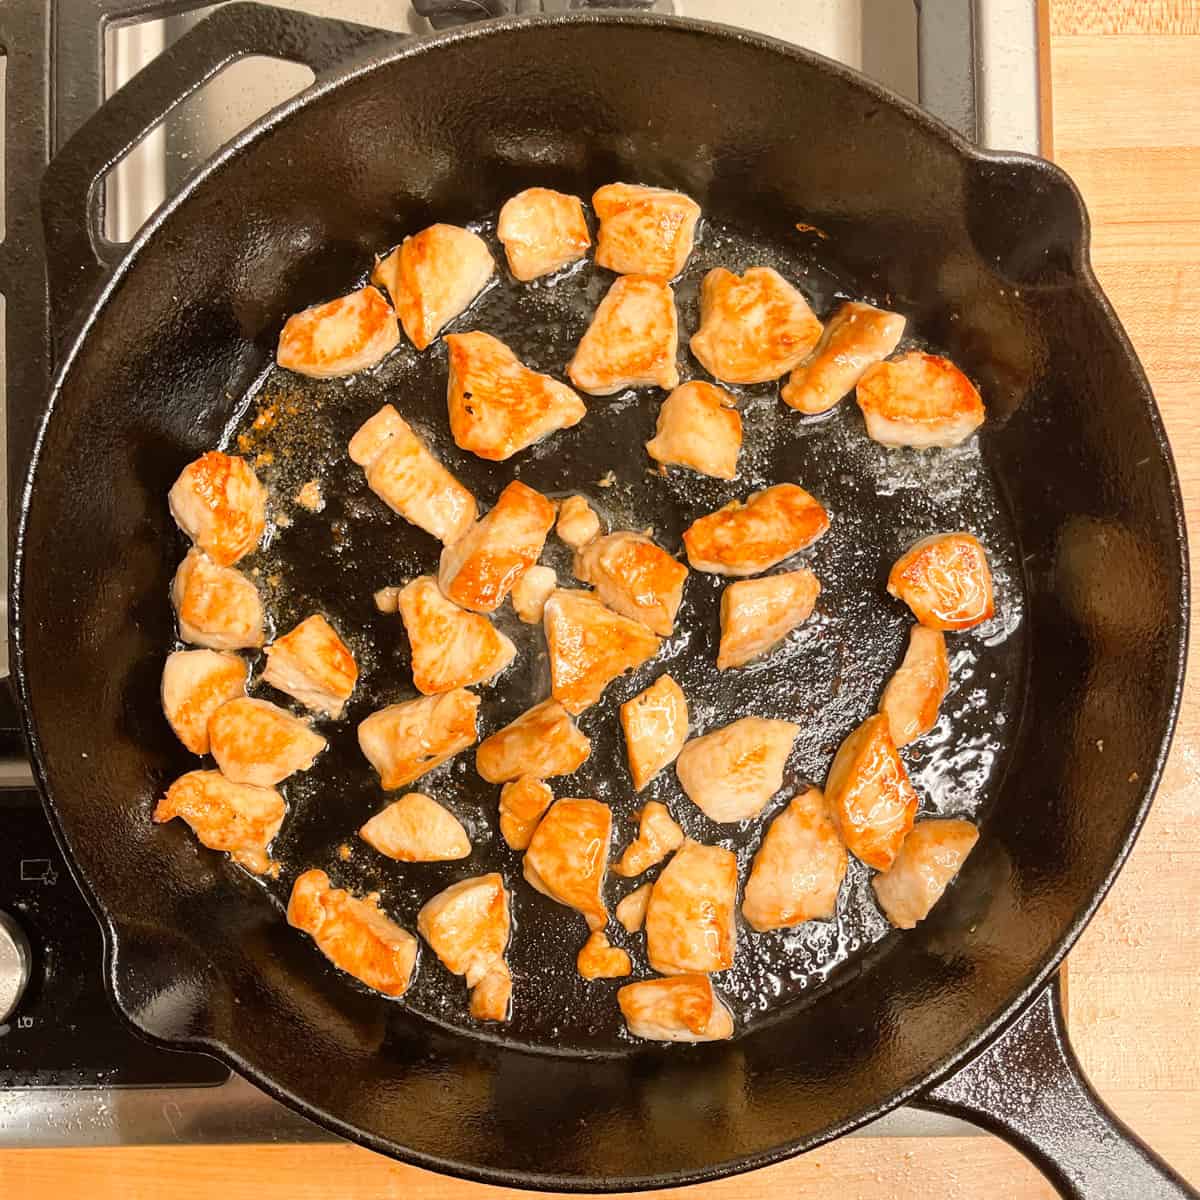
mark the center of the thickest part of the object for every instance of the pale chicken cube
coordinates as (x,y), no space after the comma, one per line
(416,828)
(929,859)
(216,606)
(799,868)
(260,743)
(634,577)
(408,479)
(631,910)
(698,427)
(491,997)
(644,230)
(498,405)
(342,337)
(747,539)
(479,570)
(451,648)
(731,773)
(354,934)
(531,591)
(577,522)
(433,276)
(405,741)
(220,504)
(195,683)
(683,1009)
(919,400)
(757,614)
(542,742)
(872,800)
(945,580)
(387,599)
(632,341)
(567,857)
(235,817)
(856,337)
(523,803)
(600,959)
(655,724)
(915,692)
(690,919)
(314,665)
(658,835)
(542,231)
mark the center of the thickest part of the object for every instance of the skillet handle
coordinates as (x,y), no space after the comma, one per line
(1030,1089)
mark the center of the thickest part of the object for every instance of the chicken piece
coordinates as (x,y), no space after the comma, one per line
(631,910)
(698,427)
(195,683)
(314,665)
(342,337)
(634,577)
(568,857)
(479,570)
(919,400)
(531,591)
(798,869)
(683,1009)
(632,341)
(497,404)
(311,497)
(416,828)
(216,606)
(234,817)
(658,836)
(522,804)
(589,646)
(870,795)
(408,479)
(731,773)
(387,599)
(655,724)
(600,959)
(432,277)
(644,230)
(407,740)
(856,337)
(689,921)
(354,934)
(220,504)
(260,743)
(542,231)
(491,997)
(451,648)
(945,580)
(915,692)
(757,614)
(746,539)
(929,859)
(542,742)
(577,522)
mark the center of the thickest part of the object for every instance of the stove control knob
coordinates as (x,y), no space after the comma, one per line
(15,965)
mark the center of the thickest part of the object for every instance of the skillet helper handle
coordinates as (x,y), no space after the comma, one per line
(1030,1089)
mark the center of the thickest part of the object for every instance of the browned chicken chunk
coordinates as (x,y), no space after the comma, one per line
(683,1009)
(690,920)
(600,959)
(342,337)
(531,591)
(731,773)
(945,580)
(567,857)
(405,741)
(523,802)
(216,606)
(314,665)
(757,614)
(655,724)
(657,836)
(634,577)
(644,230)
(577,522)
(220,504)
(259,743)
(542,231)
(631,910)
(698,427)
(915,692)
(929,859)
(542,742)
(195,683)
(416,828)
(919,400)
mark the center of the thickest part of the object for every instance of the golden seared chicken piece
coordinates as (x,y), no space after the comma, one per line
(451,648)
(387,599)
(314,665)
(872,800)
(590,645)
(224,815)
(523,802)
(346,335)
(919,400)
(634,577)
(631,910)
(856,337)
(914,694)
(689,920)
(632,340)
(577,522)
(355,935)
(757,614)
(655,724)
(731,773)
(219,503)
(216,606)
(542,231)
(683,1009)
(644,230)
(479,570)
(497,404)
(798,869)
(600,959)
(945,580)
(408,479)
(491,997)
(753,327)
(929,859)
(404,741)
(568,857)
(542,742)
(433,276)
(658,836)
(195,683)
(746,539)
(260,743)
(698,427)
(416,828)
(531,591)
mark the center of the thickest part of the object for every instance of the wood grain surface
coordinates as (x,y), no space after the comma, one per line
(1126,79)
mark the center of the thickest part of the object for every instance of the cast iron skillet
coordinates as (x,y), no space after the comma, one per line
(988,254)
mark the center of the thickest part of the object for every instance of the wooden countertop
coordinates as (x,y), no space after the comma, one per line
(1126,111)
